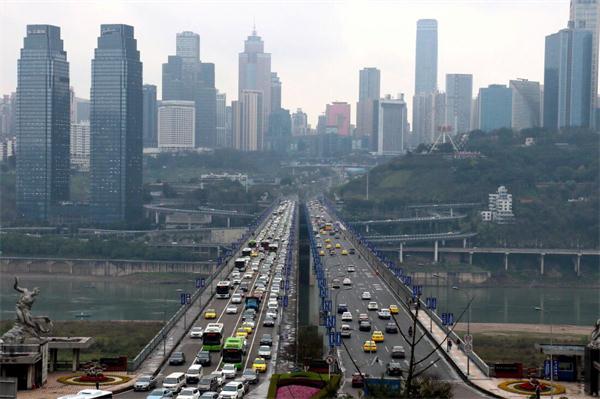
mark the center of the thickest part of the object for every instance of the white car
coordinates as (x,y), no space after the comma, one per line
(350,269)
(272,305)
(196,332)
(366,295)
(248,275)
(232,390)
(347,281)
(236,298)
(264,351)
(384,314)
(237,280)
(231,309)
(271,313)
(229,370)
(346,316)
(189,393)
(372,306)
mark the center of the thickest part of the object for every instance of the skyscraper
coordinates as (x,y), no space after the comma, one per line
(116,127)
(369,81)
(185,77)
(150,121)
(188,46)
(525,104)
(176,120)
(429,116)
(390,125)
(459,95)
(585,14)
(80,146)
(221,120)
(338,116)
(247,121)
(275,92)
(255,74)
(426,56)
(299,123)
(568,78)
(495,107)
(43,116)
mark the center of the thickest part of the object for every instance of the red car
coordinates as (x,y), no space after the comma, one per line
(358,380)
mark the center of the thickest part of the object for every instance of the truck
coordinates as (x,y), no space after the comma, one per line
(252,302)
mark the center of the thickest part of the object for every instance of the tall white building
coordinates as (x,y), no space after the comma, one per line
(247,121)
(459,94)
(299,123)
(176,120)
(391,125)
(222,120)
(429,116)
(499,207)
(80,146)
(526,104)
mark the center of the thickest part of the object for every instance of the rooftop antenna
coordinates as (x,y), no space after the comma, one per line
(254,26)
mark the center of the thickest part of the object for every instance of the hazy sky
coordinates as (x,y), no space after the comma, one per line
(317,47)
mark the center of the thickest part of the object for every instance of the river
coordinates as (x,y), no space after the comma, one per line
(64,297)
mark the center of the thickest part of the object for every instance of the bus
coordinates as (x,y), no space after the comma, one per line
(233,351)
(212,337)
(89,394)
(223,289)
(240,263)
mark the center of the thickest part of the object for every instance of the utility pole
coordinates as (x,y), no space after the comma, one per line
(367,185)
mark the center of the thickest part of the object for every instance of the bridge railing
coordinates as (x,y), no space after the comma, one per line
(391,274)
(221,261)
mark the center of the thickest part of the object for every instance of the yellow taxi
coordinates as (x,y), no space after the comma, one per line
(328,240)
(254,254)
(370,346)
(344,252)
(377,336)
(393,309)
(338,245)
(328,246)
(241,332)
(259,365)
(246,328)
(210,314)
(321,253)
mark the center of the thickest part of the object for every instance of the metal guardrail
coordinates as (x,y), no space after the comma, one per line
(381,266)
(164,331)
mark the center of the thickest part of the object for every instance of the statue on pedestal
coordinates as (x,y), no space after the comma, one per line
(26,325)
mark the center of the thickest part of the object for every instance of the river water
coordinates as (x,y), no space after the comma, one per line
(64,297)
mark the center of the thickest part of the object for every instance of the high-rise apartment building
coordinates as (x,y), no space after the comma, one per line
(429,116)
(8,115)
(229,126)
(426,56)
(495,107)
(390,121)
(42,124)
(568,79)
(369,82)
(247,121)
(585,14)
(338,116)
(186,78)
(222,120)
(150,121)
(116,127)
(275,92)
(299,123)
(80,146)
(255,74)
(526,105)
(176,125)
(459,95)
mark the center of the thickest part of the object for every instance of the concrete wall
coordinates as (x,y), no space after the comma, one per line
(96,267)
(227,235)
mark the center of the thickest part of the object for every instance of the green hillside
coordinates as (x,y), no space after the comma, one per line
(554,185)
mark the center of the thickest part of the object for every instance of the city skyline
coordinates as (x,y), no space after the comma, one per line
(301,47)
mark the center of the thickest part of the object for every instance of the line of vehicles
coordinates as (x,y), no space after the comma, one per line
(253,292)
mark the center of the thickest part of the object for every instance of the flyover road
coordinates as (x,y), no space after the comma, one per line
(191,346)
(365,279)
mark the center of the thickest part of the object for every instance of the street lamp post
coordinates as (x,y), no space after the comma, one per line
(469,300)
(543,311)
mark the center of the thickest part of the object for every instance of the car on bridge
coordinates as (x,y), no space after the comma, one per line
(236,298)
(347,282)
(398,352)
(266,339)
(342,307)
(229,370)
(364,325)
(210,395)
(346,316)
(366,296)
(370,346)
(189,393)
(196,332)
(177,358)
(250,376)
(377,336)
(260,365)
(264,351)
(394,309)
(358,380)
(161,393)
(350,269)
(391,328)
(394,369)
(208,383)
(384,314)
(231,309)
(372,306)
(210,314)
(203,358)
(144,383)
(344,252)
(346,331)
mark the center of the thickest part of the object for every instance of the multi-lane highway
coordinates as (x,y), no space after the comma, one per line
(364,279)
(269,263)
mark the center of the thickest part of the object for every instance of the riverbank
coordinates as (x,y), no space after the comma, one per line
(112,337)
(515,343)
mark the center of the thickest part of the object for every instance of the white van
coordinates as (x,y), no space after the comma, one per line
(194,373)
(89,394)
(174,382)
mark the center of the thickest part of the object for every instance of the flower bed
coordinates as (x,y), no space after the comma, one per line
(527,387)
(82,379)
(296,392)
